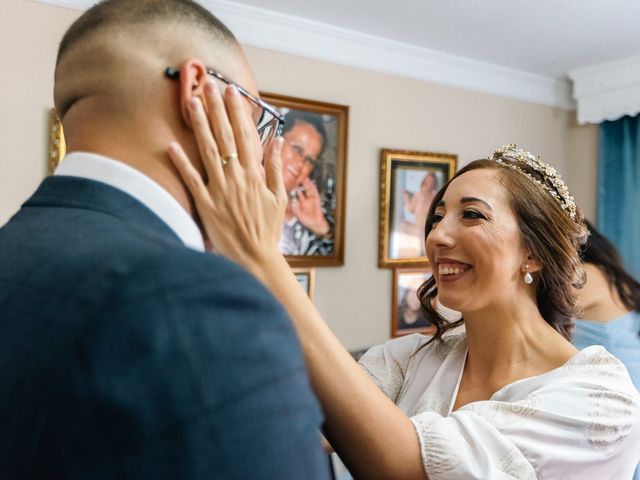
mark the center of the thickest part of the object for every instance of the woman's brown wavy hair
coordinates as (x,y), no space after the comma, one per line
(548,233)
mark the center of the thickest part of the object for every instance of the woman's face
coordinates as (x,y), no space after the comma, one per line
(475,245)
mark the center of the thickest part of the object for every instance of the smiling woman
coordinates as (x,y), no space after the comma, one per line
(532,213)
(503,396)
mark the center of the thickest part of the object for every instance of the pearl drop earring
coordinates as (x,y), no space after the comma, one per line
(528,279)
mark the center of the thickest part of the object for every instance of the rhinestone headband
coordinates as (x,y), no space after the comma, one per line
(551,181)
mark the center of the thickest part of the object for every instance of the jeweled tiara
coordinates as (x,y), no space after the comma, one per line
(550,178)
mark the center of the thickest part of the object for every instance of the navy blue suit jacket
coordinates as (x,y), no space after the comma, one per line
(126,355)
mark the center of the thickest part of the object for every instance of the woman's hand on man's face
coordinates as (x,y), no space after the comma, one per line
(241,207)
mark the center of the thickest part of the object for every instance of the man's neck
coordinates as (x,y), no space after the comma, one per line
(165,175)
(144,152)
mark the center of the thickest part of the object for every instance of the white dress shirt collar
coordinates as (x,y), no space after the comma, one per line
(139,186)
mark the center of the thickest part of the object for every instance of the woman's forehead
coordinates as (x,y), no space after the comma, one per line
(481,183)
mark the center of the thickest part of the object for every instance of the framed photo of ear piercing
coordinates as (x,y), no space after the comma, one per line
(306,279)
(314,165)
(408,183)
(57,146)
(406,311)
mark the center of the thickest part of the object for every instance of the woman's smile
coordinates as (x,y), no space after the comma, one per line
(451,270)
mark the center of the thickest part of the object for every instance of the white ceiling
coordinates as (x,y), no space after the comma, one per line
(544,37)
(525,50)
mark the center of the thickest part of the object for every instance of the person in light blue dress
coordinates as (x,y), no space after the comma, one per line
(610,302)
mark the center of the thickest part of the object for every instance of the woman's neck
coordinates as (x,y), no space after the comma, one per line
(513,341)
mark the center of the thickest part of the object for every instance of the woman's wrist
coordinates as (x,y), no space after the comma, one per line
(271,265)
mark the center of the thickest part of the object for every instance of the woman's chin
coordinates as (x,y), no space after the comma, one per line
(449,302)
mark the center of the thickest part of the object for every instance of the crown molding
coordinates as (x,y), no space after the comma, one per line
(607,91)
(284,33)
(72,4)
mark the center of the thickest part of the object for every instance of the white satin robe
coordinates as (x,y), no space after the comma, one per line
(578,421)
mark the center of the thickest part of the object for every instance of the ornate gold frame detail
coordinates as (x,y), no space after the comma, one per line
(57,145)
(418,160)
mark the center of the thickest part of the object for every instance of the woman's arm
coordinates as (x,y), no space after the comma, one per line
(243,214)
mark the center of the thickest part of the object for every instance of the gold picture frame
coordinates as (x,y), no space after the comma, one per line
(306,278)
(57,145)
(301,246)
(408,182)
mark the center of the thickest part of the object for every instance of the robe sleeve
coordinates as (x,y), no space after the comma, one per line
(581,423)
(387,364)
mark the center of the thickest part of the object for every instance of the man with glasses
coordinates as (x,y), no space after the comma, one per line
(308,225)
(127,351)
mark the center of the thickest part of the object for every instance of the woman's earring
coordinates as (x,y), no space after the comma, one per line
(528,279)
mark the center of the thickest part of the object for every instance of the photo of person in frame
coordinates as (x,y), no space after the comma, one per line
(413,191)
(308,164)
(409,312)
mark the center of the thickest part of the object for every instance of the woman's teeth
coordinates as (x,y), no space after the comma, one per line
(449,269)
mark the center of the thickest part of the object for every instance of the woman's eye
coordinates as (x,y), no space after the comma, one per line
(436,217)
(473,215)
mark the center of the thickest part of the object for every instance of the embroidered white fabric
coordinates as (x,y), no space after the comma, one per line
(579,421)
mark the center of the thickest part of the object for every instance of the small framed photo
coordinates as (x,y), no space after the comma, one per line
(406,311)
(314,166)
(306,279)
(408,183)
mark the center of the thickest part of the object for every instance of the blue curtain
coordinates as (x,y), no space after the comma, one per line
(619,188)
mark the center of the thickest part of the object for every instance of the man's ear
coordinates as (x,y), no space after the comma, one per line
(193,75)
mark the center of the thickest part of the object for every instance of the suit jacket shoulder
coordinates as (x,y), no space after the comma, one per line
(126,355)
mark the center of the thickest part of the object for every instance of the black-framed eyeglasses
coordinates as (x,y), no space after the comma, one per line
(271,121)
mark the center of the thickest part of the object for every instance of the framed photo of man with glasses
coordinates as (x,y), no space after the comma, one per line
(314,170)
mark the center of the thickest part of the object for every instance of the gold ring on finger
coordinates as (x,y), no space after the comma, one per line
(227,158)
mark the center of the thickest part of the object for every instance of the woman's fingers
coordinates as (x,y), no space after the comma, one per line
(209,154)
(244,131)
(189,174)
(219,124)
(241,208)
(215,166)
(273,169)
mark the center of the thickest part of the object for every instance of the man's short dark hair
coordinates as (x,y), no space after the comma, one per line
(114,13)
(294,117)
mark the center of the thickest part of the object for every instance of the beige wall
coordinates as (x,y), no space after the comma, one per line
(386,112)
(29,35)
(582,167)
